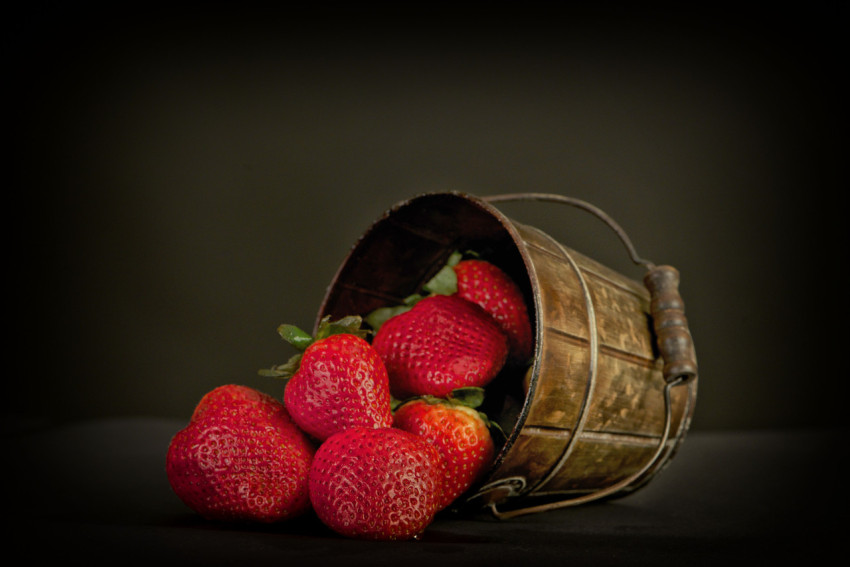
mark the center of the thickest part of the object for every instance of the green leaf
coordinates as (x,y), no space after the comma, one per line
(283,371)
(411,300)
(350,325)
(296,337)
(382,314)
(455,258)
(301,339)
(471,397)
(444,282)
(494,426)
(396,403)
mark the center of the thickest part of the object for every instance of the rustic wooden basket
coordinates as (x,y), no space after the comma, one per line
(611,390)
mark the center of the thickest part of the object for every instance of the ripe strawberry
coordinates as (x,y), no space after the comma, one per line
(484,284)
(461,434)
(487,285)
(379,484)
(337,382)
(442,343)
(241,458)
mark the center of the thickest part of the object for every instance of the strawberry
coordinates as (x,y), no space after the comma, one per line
(487,285)
(337,381)
(484,284)
(379,484)
(241,458)
(458,430)
(442,343)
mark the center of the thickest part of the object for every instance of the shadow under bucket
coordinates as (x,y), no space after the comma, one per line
(610,392)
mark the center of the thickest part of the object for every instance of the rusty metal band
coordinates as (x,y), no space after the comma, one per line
(592,367)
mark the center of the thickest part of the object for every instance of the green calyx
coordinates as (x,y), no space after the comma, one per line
(382,314)
(470,397)
(301,339)
(444,282)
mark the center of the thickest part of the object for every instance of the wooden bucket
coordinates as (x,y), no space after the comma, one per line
(611,390)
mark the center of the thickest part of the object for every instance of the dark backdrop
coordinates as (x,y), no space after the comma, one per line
(183,181)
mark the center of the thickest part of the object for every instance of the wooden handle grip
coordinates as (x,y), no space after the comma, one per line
(671,327)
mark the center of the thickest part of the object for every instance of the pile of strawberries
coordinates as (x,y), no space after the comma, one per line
(378,429)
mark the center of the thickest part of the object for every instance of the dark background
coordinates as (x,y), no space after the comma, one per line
(184,180)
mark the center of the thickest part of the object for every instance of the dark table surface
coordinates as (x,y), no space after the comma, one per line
(96,492)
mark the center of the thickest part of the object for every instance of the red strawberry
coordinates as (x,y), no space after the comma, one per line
(484,284)
(460,433)
(487,285)
(241,458)
(380,484)
(442,343)
(339,381)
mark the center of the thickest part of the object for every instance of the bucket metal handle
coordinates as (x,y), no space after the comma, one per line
(673,336)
